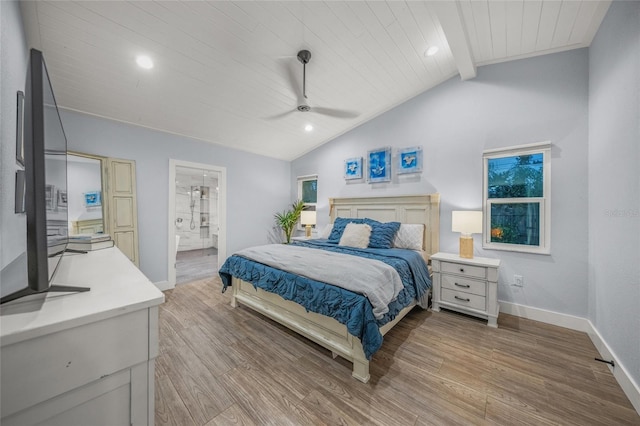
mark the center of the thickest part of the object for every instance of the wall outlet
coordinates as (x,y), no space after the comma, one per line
(518,281)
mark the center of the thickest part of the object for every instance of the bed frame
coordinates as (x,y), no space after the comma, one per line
(326,331)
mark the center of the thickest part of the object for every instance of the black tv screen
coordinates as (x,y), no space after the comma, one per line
(45,151)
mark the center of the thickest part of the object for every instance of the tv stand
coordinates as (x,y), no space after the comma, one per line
(66,288)
(87,359)
(51,289)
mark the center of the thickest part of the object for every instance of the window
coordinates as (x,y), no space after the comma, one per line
(308,193)
(517,198)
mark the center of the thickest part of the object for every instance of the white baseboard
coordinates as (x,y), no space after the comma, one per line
(549,317)
(164,285)
(629,387)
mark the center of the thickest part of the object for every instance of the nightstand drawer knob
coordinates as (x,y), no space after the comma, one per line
(462,298)
(462,285)
(461,269)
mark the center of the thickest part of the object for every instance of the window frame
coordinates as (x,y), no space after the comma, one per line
(544,246)
(301,179)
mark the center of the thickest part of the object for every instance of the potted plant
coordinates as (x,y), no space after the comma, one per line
(287,219)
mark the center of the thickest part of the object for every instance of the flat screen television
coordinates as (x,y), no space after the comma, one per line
(45,152)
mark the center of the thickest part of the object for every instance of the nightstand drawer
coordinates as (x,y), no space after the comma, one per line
(465,285)
(467,270)
(466,300)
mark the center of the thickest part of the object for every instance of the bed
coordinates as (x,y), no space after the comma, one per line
(338,336)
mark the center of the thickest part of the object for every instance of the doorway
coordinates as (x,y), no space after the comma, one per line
(197,243)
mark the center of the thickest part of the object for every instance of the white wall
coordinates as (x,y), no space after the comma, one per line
(257,186)
(525,101)
(614,183)
(13,62)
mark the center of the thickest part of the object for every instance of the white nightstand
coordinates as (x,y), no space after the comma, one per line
(303,238)
(466,285)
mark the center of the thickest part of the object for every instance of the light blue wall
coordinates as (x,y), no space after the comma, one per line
(13,63)
(257,186)
(519,102)
(614,183)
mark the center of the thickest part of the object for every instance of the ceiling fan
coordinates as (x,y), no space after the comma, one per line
(304,56)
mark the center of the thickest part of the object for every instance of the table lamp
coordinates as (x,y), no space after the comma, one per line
(467,223)
(308,219)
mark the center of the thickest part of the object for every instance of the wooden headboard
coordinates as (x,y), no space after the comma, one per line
(423,209)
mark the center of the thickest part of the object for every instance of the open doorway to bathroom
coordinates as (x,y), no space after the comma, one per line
(196,215)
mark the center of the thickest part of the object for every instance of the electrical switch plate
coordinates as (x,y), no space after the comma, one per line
(518,281)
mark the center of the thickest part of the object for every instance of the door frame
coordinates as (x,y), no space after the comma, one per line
(222,213)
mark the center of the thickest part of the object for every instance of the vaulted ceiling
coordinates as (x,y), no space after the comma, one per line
(226,72)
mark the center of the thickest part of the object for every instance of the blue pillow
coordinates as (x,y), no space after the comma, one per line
(338,227)
(382,234)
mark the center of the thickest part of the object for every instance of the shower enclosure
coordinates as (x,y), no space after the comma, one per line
(196,223)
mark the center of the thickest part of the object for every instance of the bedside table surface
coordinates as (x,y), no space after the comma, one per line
(480,261)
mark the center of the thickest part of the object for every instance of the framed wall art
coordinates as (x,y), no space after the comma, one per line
(353,168)
(410,160)
(20,129)
(50,197)
(21,190)
(379,165)
(93,199)
(62,199)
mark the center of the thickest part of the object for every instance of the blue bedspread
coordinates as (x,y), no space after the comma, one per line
(351,309)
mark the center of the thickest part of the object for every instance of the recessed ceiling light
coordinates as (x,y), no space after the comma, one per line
(308,128)
(144,62)
(431,51)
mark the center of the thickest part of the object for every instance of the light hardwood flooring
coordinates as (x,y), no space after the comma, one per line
(196,264)
(219,365)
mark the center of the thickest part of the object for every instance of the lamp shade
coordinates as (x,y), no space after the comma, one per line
(466,222)
(308,217)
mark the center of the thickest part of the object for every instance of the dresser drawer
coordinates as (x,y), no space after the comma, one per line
(463,299)
(465,285)
(36,370)
(466,270)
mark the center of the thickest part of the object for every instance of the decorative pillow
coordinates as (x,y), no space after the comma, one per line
(355,235)
(382,234)
(339,225)
(409,236)
(326,231)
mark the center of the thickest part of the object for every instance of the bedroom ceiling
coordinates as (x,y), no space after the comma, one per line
(222,69)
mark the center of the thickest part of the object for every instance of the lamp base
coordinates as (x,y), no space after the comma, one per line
(307,231)
(466,247)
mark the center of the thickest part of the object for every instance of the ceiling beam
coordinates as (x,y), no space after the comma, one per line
(450,18)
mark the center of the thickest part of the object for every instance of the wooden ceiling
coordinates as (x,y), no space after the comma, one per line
(225,69)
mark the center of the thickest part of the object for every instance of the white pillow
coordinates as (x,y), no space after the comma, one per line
(326,231)
(356,235)
(409,237)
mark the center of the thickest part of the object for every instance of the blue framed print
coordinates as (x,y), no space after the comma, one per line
(379,165)
(93,199)
(353,168)
(410,160)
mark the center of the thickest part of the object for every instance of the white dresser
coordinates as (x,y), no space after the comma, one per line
(469,286)
(82,358)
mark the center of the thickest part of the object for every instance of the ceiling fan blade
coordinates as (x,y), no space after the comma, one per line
(337,113)
(281,115)
(294,85)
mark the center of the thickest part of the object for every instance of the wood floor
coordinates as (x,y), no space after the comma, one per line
(220,365)
(196,264)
